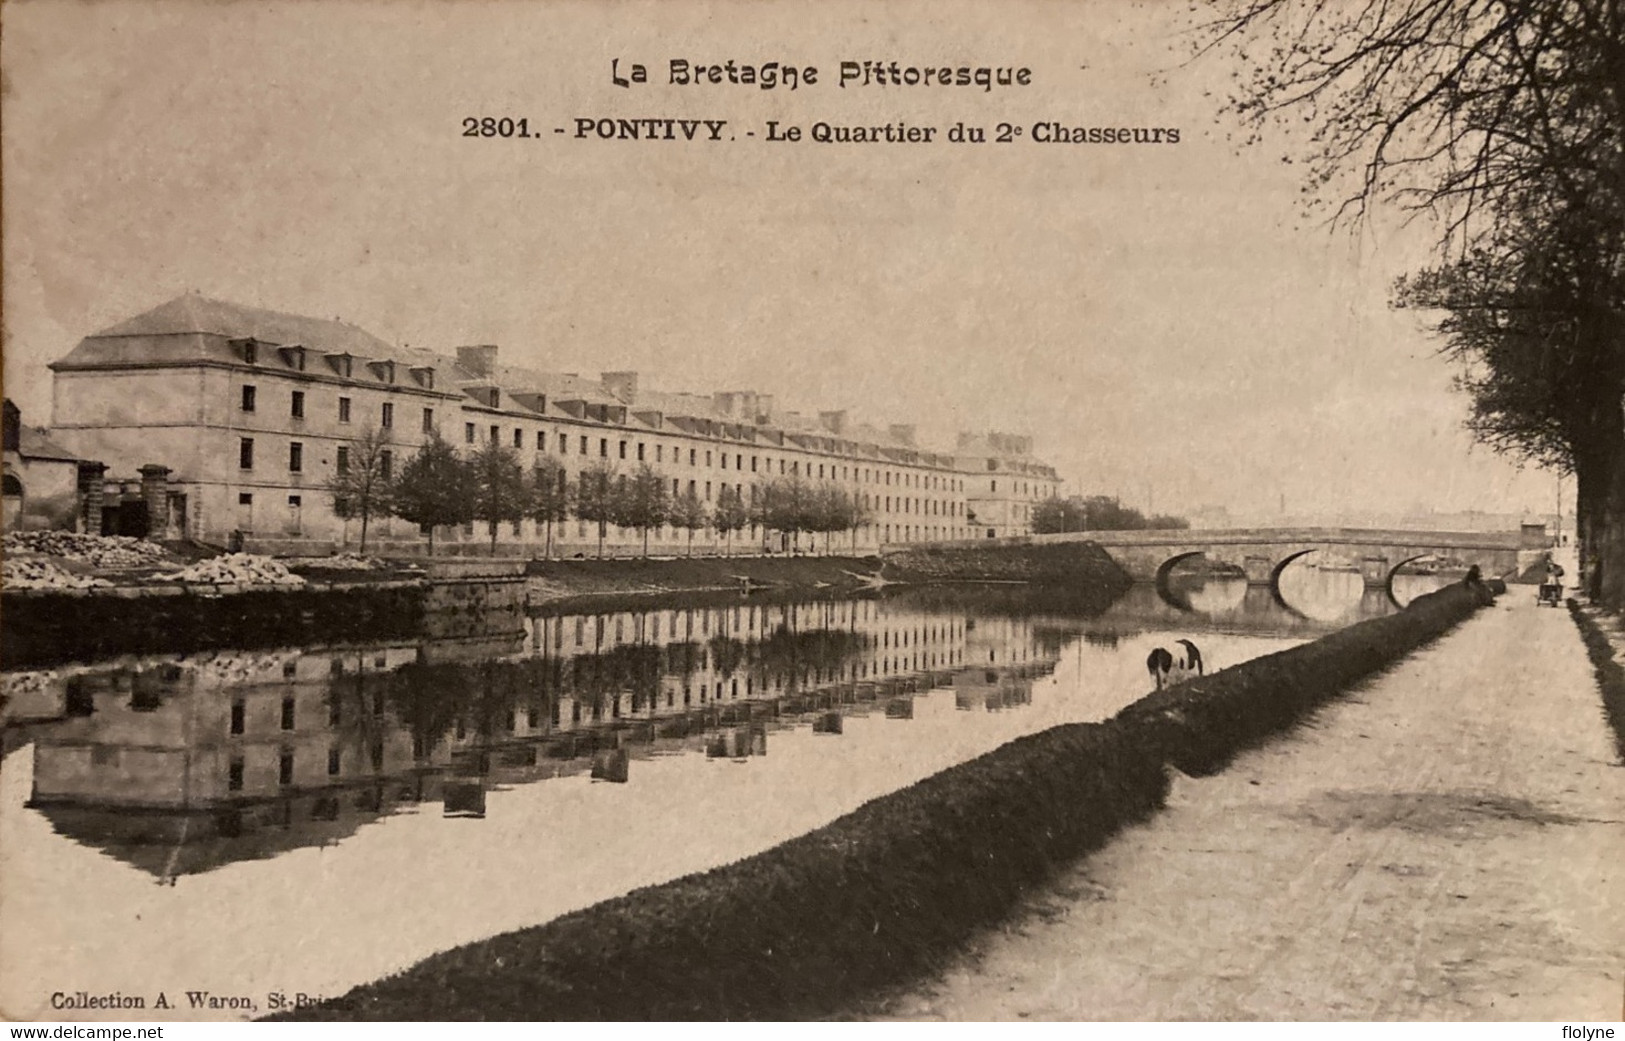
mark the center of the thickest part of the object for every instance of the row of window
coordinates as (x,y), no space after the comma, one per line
(296,408)
(296,458)
(386,419)
(638,451)
(386,462)
(386,466)
(792,467)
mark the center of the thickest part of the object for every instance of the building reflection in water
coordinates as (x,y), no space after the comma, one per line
(180,765)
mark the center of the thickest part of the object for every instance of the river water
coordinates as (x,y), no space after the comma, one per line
(299,821)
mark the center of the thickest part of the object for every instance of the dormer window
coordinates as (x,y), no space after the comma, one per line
(247,348)
(343,364)
(384,370)
(293,357)
(424,375)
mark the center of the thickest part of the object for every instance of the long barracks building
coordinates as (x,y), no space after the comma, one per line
(236,418)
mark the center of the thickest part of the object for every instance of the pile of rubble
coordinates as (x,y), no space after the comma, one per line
(37,573)
(102,552)
(340,562)
(236,569)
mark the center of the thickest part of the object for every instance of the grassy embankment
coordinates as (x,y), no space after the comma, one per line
(896,887)
(1610,674)
(560,584)
(1058,564)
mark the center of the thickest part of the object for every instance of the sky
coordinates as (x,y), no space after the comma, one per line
(1163,319)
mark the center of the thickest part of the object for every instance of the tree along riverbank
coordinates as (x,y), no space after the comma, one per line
(896,888)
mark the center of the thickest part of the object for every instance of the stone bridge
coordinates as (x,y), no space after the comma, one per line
(1263,553)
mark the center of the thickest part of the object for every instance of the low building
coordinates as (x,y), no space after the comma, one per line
(41,478)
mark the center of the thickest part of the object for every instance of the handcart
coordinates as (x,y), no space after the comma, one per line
(1550,593)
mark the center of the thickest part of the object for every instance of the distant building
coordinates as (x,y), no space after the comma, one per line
(1004,482)
(243,415)
(41,478)
(1210,516)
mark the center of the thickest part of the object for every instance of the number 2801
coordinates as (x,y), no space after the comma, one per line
(490,126)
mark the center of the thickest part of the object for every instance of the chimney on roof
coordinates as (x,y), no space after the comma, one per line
(622,386)
(903,432)
(764,408)
(1010,444)
(834,421)
(480,360)
(736,404)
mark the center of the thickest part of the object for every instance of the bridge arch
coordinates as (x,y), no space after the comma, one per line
(1274,581)
(1388,581)
(1166,591)
(1280,566)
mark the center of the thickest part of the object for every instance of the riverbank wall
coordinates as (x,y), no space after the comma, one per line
(895,888)
(1075,564)
(470,597)
(1083,568)
(563,584)
(50,627)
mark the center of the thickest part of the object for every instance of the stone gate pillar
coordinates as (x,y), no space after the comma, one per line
(155,493)
(92,495)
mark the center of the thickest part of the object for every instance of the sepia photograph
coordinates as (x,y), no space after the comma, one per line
(708,510)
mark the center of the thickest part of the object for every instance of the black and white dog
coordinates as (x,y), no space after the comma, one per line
(1168,667)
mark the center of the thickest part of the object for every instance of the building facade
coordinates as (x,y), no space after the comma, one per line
(252,412)
(1003,482)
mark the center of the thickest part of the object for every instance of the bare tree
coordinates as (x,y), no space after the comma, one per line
(361,483)
(1465,110)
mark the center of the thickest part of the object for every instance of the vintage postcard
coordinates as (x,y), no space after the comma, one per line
(714,510)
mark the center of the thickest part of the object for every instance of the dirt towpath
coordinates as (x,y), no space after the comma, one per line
(1447,843)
